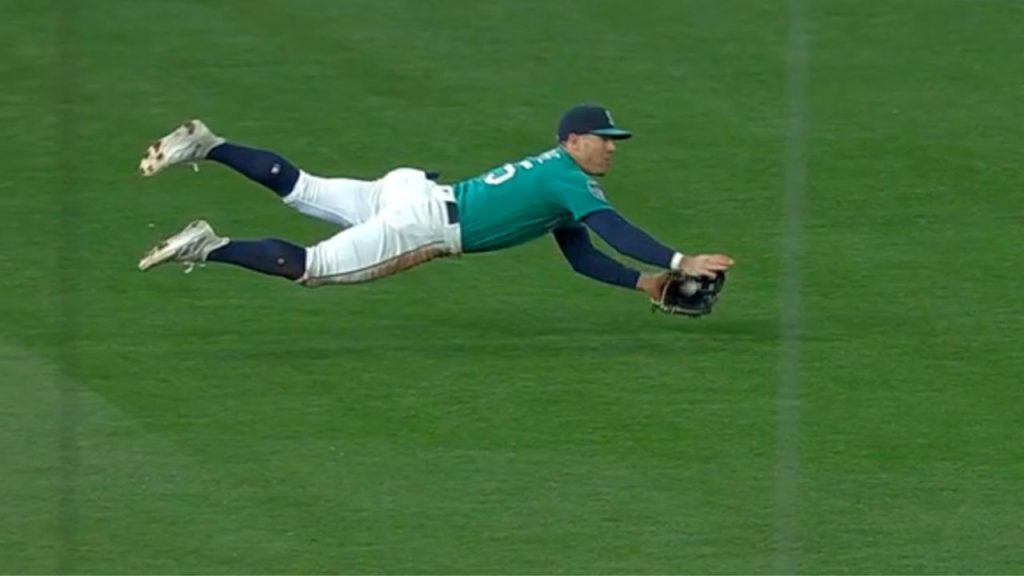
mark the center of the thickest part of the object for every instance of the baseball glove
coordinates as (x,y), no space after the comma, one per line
(689,295)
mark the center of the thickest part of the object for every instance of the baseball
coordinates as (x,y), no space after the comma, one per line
(689,287)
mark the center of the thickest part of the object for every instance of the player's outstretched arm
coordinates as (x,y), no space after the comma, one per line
(587,260)
(637,244)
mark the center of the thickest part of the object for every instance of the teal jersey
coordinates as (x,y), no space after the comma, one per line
(521,201)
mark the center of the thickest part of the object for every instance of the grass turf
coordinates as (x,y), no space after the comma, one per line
(498,413)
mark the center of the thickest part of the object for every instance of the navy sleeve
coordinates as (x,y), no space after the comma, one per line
(628,239)
(589,261)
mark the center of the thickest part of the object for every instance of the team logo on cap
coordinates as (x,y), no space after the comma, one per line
(608,115)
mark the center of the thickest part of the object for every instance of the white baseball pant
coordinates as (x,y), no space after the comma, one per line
(389,225)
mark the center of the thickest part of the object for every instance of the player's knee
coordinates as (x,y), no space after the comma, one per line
(300,191)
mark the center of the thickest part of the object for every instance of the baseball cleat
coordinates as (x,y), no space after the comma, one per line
(189,247)
(188,143)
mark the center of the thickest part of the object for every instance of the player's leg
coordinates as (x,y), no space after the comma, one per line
(341,201)
(198,243)
(358,254)
(374,249)
(398,239)
(417,221)
(347,201)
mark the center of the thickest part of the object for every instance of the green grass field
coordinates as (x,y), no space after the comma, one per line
(499,414)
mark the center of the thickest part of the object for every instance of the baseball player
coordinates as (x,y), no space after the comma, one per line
(406,218)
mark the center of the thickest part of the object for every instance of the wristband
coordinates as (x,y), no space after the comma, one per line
(677,261)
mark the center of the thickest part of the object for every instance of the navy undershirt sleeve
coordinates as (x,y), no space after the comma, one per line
(589,261)
(628,239)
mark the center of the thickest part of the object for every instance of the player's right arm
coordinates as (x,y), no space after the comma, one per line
(588,205)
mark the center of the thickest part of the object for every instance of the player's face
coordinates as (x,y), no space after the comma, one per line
(592,152)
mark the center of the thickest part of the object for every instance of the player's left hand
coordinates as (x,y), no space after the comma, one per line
(688,295)
(652,284)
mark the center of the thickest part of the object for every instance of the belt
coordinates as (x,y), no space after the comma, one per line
(450,206)
(453,212)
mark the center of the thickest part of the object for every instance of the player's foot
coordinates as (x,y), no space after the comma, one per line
(188,143)
(189,247)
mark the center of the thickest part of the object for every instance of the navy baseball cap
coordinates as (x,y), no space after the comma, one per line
(590,119)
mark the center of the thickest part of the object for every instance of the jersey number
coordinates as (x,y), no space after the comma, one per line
(506,172)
